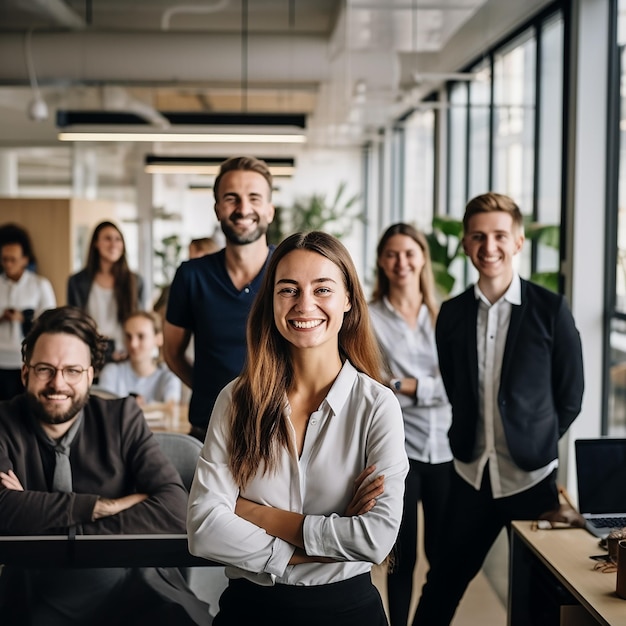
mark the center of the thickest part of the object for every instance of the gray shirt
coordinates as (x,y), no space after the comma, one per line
(412,353)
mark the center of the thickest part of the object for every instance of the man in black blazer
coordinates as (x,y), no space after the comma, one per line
(511,362)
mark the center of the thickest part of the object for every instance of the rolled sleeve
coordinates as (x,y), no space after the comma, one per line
(215,531)
(430,391)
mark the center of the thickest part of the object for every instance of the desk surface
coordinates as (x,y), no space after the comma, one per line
(565,552)
(161,417)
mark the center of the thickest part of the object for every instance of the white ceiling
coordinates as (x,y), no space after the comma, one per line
(347,65)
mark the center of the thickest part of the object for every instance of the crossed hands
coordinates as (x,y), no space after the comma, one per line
(105,507)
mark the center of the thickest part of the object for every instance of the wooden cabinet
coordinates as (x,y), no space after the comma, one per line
(60,229)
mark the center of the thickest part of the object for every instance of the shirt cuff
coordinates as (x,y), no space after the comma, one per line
(430,391)
(282,551)
(81,510)
(313,535)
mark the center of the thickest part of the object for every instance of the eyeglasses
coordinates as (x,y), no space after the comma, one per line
(71,373)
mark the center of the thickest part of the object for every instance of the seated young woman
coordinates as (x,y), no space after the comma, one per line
(300,483)
(142,374)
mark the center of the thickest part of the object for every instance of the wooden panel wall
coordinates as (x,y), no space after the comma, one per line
(60,230)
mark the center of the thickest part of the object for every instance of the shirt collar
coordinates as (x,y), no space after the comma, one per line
(513,294)
(10,281)
(388,304)
(340,390)
(390,307)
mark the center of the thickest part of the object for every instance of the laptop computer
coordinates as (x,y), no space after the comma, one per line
(601,475)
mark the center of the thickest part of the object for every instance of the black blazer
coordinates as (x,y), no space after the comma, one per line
(541,383)
(79,286)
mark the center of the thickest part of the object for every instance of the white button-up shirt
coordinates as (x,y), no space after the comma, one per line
(32,292)
(412,353)
(492,328)
(358,424)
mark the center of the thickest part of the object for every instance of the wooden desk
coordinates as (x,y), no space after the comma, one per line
(560,557)
(169,419)
(99,551)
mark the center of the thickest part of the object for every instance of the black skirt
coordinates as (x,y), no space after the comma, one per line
(352,602)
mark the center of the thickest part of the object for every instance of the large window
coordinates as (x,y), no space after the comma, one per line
(514,101)
(616,414)
(419,169)
(505,134)
(457,153)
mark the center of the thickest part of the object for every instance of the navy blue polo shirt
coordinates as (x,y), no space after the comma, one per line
(204,300)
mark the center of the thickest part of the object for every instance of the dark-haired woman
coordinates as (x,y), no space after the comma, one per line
(106,289)
(403,311)
(281,494)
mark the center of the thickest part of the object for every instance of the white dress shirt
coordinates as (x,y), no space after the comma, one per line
(492,328)
(358,424)
(31,291)
(412,353)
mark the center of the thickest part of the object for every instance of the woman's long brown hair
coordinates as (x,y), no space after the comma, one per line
(259,425)
(124,282)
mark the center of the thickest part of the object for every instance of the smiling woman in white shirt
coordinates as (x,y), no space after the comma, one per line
(299,486)
(403,311)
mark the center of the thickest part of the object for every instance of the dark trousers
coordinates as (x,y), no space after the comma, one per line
(429,483)
(475,519)
(352,602)
(10,384)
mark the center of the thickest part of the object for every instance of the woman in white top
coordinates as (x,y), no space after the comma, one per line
(106,289)
(142,375)
(281,494)
(403,311)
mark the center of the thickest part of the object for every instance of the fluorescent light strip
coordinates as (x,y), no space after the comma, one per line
(209,170)
(181,137)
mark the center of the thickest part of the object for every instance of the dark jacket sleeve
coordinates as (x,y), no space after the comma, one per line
(567,373)
(443,351)
(78,286)
(148,471)
(32,512)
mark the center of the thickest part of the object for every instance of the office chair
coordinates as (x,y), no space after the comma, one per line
(183,451)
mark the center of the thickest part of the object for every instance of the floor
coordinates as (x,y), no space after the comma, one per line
(481,603)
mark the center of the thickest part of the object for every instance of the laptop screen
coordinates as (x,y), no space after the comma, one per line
(601,474)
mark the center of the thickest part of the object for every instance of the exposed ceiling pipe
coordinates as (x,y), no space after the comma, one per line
(37,107)
(55,11)
(190,9)
(66,58)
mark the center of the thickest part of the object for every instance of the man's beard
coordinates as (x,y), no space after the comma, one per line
(39,412)
(241,240)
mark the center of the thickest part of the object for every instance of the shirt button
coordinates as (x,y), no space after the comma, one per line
(314,421)
(247,289)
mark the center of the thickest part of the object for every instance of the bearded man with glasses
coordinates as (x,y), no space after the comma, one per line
(71,463)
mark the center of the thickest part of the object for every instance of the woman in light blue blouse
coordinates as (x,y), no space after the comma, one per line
(403,311)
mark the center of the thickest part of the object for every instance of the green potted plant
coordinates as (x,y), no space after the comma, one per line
(444,242)
(336,215)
